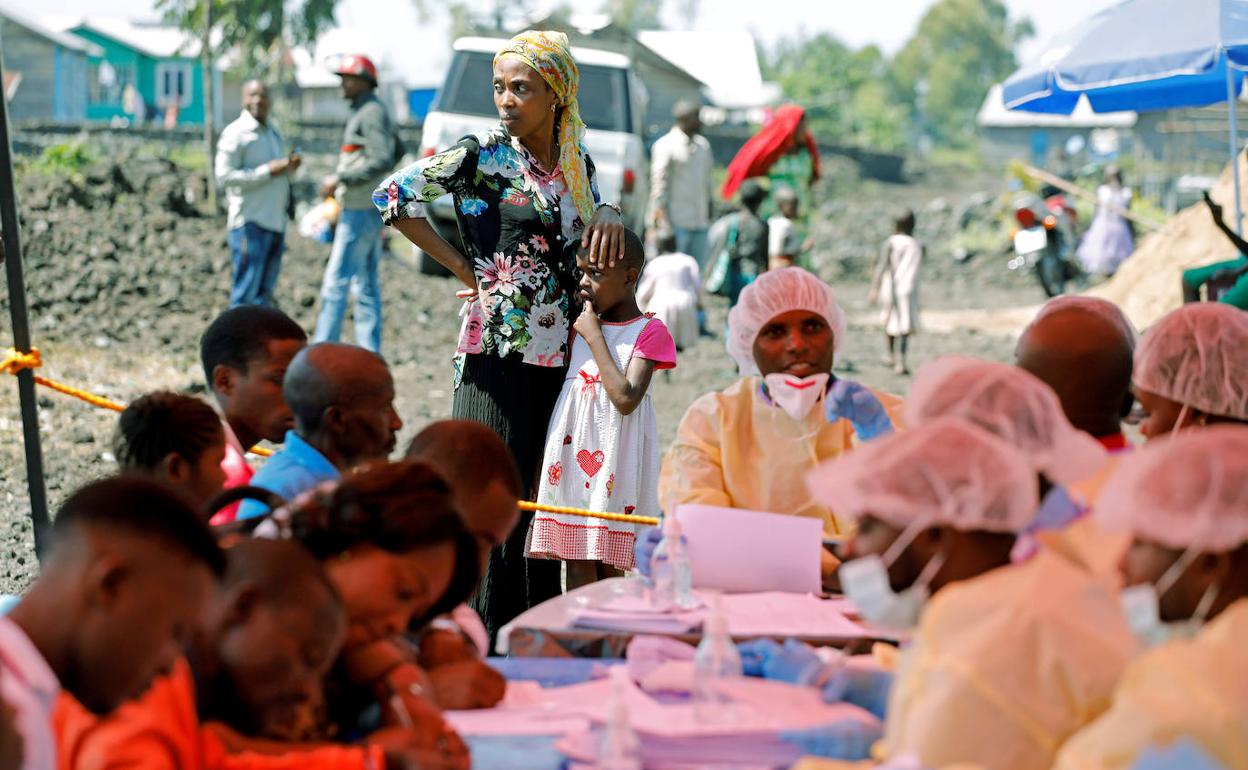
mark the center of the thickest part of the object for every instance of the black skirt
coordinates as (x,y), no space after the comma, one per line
(516,400)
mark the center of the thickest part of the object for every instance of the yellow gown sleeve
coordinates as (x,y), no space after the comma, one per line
(692,470)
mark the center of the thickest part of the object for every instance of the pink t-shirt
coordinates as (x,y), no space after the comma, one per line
(655,344)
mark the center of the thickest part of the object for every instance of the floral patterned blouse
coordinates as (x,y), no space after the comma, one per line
(520,230)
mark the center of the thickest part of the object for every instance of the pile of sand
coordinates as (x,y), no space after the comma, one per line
(1147,285)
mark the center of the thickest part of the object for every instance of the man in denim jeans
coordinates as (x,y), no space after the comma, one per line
(254,168)
(370,148)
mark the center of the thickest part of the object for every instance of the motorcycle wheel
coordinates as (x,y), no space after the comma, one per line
(1052,274)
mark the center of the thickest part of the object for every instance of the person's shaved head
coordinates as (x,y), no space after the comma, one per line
(276,627)
(342,397)
(480,471)
(1085,355)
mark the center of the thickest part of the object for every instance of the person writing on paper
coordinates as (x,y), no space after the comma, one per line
(1191,371)
(750,445)
(1026,654)
(1184,504)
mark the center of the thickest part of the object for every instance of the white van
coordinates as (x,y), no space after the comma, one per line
(612,105)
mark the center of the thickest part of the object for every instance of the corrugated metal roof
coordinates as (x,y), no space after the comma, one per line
(64,39)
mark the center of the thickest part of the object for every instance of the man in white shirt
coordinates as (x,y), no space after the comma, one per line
(128,572)
(253,167)
(680,182)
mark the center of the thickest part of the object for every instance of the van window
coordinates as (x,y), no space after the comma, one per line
(603,93)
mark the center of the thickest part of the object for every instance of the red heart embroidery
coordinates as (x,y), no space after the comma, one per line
(590,462)
(628,510)
(567,440)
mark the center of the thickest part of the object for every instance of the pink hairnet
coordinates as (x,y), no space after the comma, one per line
(1189,489)
(945,472)
(774,293)
(1094,306)
(1198,356)
(1011,403)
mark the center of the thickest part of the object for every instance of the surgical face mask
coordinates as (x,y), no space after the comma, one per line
(797,396)
(865,582)
(1142,605)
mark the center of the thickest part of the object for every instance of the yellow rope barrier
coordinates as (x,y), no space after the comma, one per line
(14,361)
(526,505)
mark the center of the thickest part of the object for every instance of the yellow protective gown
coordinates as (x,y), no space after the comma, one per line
(1196,688)
(1005,667)
(1083,541)
(734,449)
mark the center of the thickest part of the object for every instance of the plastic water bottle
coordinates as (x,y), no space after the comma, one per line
(619,748)
(670,575)
(715,661)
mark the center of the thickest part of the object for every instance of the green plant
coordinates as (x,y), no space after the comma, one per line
(65,158)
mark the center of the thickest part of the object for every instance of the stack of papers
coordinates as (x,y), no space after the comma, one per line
(635,614)
(735,550)
(746,731)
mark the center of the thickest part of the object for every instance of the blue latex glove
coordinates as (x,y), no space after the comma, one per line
(643,548)
(1056,511)
(1183,754)
(754,654)
(866,688)
(852,401)
(846,739)
(792,662)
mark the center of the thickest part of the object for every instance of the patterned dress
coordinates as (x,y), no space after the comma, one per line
(520,229)
(598,458)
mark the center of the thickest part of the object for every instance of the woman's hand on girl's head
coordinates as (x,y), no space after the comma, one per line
(604,237)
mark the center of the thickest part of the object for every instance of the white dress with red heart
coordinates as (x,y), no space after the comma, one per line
(597,458)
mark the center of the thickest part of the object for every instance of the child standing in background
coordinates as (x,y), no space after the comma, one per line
(670,288)
(896,286)
(784,234)
(602,449)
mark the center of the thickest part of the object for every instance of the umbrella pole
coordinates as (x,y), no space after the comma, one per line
(11,255)
(1232,105)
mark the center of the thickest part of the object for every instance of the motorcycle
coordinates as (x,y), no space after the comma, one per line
(1045,239)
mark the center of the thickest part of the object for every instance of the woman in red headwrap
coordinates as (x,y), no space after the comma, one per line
(784,142)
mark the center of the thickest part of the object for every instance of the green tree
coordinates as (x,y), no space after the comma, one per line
(634,14)
(848,95)
(961,48)
(259,30)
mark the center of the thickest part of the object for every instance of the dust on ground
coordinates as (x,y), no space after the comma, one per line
(123,275)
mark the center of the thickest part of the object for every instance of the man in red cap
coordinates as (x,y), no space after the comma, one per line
(370,149)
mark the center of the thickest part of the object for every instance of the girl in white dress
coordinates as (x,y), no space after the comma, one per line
(602,449)
(896,286)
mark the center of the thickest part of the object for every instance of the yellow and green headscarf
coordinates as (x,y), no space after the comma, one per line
(548,53)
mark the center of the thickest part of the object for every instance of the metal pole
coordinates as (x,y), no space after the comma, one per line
(11,254)
(1232,106)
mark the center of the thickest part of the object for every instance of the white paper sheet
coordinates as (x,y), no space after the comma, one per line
(782,615)
(736,550)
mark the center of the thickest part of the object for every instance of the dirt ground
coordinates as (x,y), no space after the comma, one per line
(121,282)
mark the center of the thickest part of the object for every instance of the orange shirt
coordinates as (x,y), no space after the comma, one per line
(161,731)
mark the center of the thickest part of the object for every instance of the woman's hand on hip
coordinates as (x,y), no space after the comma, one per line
(604,237)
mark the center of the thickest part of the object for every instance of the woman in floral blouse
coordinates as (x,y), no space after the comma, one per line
(525,198)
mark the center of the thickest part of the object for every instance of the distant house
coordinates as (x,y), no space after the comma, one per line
(1006,135)
(142,71)
(727,63)
(45,71)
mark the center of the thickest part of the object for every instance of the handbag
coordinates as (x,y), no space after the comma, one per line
(717,279)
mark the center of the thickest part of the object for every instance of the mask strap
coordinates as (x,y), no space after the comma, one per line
(1205,605)
(930,569)
(1178,422)
(1176,570)
(903,540)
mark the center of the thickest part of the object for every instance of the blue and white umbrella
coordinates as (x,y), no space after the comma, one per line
(1143,55)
